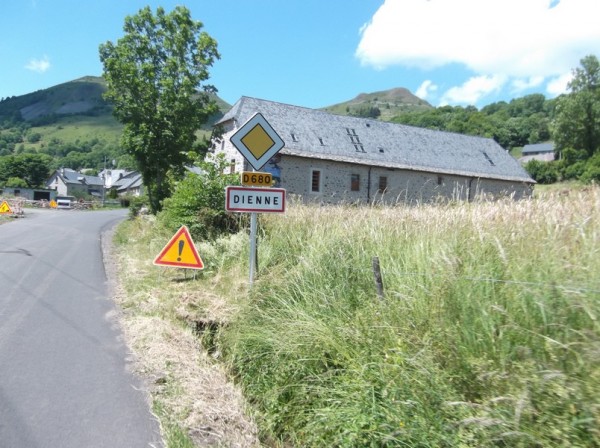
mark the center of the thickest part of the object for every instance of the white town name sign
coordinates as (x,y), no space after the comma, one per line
(255,200)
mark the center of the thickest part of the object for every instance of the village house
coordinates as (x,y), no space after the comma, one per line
(332,158)
(126,183)
(130,185)
(68,182)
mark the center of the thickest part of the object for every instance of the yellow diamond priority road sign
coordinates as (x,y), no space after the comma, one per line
(257,141)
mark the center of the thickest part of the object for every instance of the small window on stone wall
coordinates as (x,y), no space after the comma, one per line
(440,180)
(382,184)
(232,166)
(355,182)
(315,181)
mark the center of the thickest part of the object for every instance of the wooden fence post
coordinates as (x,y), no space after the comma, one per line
(378,278)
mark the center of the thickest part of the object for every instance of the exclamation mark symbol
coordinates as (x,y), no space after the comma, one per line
(181,244)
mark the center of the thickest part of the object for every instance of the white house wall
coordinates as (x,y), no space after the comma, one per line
(57,184)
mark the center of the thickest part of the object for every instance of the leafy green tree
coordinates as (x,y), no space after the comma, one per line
(572,164)
(365,111)
(154,77)
(527,105)
(33,169)
(577,123)
(112,193)
(16,182)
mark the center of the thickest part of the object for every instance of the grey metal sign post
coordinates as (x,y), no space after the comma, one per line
(257,141)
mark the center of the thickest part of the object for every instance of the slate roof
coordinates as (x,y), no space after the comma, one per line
(132,180)
(537,148)
(317,134)
(73,177)
(113,176)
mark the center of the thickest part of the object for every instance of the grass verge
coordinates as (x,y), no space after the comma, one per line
(488,334)
(162,311)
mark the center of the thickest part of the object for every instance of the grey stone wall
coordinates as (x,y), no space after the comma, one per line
(401,185)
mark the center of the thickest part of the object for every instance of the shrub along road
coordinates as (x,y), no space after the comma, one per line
(65,377)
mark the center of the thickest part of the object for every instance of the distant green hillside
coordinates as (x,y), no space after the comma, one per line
(70,122)
(82,96)
(383,105)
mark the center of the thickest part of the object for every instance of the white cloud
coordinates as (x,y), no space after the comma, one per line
(474,89)
(38,65)
(425,89)
(519,85)
(526,40)
(558,85)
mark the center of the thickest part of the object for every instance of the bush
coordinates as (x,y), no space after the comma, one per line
(198,202)
(135,204)
(542,172)
(592,170)
(34,138)
(574,171)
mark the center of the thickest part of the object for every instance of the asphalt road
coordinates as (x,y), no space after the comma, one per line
(64,375)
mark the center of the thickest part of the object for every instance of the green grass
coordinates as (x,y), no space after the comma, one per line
(564,188)
(73,128)
(488,334)
(174,435)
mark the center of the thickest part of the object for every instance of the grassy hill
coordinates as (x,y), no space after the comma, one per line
(69,120)
(78,97)
(389,103)
(82,96)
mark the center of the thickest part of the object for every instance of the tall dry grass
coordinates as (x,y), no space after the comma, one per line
(488,334)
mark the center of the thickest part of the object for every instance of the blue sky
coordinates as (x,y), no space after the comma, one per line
(316,53)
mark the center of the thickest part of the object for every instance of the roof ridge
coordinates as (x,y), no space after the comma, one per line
(356,119)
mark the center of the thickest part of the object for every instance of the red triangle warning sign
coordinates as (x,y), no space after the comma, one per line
(180,252)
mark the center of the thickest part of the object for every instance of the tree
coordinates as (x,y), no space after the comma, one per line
(16,182)
(154,77)
(577,123)
(33,169)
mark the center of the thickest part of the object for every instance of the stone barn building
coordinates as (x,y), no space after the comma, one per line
(332,158)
